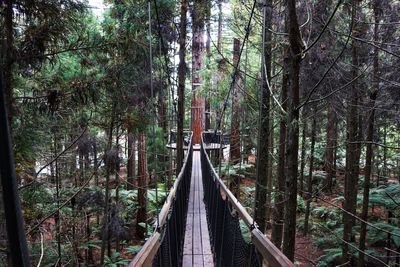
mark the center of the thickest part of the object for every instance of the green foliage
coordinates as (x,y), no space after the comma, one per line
(330,215)
(301,205)
(330,257)
(115,260)
(385,196)
(134,249)
(37,202)
(157,152)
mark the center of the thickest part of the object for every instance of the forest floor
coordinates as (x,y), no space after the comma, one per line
(307,253)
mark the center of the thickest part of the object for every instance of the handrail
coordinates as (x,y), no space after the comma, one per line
(150,248)
(265,247)
(163,215)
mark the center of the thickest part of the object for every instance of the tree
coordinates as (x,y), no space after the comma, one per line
(198,50)
(264,127)
(370,136)
(296,47)
(181,84)
(352,147)
(234,150)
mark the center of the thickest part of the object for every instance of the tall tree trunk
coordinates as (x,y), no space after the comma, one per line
(208,61)
(384,169)
(279,207)
(296,46)
(303,153)
(330,148)
(270,171)
(181,85)
(105,234)
(370,138)
(117,185)
(234,151)
(309,178)
(219,35)
(131,160)
(263,132)
(198,49)
(352,165)
(141,217)
(9,58)
(58,214)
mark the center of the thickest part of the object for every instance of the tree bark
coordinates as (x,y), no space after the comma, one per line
(9,59)
(296,46)
(303,153)
(263,132)
(198,49)
(181,86)
(352,165)
(279,207)
(370,137)
(131,160)
(234,151)
(105,234)
(208,52)
(270,171)
(142,187)
(331,136)
(219,35)
(309,178)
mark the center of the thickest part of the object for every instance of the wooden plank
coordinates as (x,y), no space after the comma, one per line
(197,247)
(188,244)
(205,236)
(187,261)
(197,241)
(208,260)
(197,260)
(146,254)
(269,251)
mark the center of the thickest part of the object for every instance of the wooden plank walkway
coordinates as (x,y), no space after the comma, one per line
(197,249)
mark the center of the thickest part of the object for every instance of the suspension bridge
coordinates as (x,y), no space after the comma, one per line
(203,224)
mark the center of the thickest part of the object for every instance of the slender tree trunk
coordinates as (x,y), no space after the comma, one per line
(9,58)
(219,35)
(208,61)
(351,174)
(303,153)
(279,207)
(58,215)
(384,169)
(309,178)
(263,132)
(105,232)
(296,46)
(181,85)
(117,185)
(198,49)
(270,171)
(141,217)
(131,160)
(370,137)
(330,148)
(234,151)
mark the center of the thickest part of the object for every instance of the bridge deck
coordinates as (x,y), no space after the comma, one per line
(197,249)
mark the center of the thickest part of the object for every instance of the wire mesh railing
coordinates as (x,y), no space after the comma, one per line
(224,214)
(165,245)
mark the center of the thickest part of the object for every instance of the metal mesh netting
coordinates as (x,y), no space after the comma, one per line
(227,241)
(171,249)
